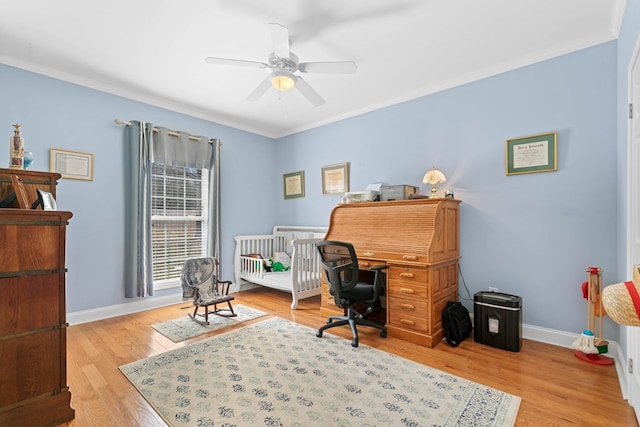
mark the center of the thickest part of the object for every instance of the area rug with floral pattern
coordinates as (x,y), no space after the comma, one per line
(278,373)
(184,327)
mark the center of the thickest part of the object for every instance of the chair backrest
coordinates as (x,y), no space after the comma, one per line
(196,271)
(340,263)
(198,274)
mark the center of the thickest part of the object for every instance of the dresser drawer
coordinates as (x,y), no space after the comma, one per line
(418,275)
(407,290)
(404,320)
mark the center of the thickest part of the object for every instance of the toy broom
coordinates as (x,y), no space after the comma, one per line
(587,346)
(586,341)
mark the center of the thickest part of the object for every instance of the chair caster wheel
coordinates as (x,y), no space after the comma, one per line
(354,343)
(319,334)
(383,334)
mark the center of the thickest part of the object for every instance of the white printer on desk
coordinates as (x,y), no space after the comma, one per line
(360,196)
(371,194)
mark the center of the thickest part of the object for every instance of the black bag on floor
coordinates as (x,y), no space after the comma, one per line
(456,323)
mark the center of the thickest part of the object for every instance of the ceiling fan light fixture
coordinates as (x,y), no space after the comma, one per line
(283,81)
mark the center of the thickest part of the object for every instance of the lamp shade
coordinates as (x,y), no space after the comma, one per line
(434,176)
(282,80)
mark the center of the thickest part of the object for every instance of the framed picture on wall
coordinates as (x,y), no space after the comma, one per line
(335,178)
(293,184)
(529,154)
(71,164)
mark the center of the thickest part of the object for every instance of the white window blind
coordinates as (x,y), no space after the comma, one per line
(178,219)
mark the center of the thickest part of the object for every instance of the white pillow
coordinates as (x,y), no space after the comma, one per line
(283,258)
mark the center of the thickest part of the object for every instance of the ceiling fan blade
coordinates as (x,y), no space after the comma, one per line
(337,67)
(262,88)
(280,40)
(237,62)
(308,92)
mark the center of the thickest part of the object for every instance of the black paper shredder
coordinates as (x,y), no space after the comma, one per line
(498,320)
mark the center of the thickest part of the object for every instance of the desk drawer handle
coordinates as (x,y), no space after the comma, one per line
(368,253)
(408,306)
(407,291)
(364,264)
(407,275)
(409,257)
(407,322)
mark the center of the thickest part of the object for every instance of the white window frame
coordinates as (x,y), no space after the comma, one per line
(171,283)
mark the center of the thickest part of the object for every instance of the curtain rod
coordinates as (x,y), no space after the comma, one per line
(172,133)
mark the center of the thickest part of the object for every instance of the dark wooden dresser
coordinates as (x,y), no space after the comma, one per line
(419,241)
(33,343)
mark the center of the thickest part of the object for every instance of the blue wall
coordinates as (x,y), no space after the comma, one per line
(57,114)
(531,235)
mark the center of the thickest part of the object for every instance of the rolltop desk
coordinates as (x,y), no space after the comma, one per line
(419,241)
(33,340)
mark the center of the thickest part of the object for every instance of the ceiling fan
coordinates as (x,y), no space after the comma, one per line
(284,65)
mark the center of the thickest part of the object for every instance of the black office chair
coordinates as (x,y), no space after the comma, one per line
(341,267)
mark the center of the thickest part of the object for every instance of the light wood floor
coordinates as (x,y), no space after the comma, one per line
(556,388)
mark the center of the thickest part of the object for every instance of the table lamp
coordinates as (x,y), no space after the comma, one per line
(433,177)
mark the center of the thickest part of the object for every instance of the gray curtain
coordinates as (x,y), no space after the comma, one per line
(172,148)
(214,204)
(180,149)
(138,257)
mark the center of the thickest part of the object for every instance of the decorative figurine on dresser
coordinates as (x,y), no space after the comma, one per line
(33,339)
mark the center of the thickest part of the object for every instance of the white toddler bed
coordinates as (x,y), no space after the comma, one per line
(302,280)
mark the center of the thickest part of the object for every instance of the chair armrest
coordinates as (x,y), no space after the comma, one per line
(378,286)
(223,286)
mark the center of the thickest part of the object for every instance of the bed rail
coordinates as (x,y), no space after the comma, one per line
(304,274)
(306,270)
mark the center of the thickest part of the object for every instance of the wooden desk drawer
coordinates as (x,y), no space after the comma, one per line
(408,274)
(365,264)
(409,307)
(407,290)
(404,320)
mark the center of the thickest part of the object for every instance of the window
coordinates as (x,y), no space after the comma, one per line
(178,220)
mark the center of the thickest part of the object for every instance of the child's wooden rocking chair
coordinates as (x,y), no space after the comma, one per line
(200,282)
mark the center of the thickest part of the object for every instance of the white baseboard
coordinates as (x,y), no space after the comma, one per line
(549,336)
(563,339)
(91,315)
(99,313)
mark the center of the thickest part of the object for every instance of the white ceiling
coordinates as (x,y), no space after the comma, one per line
(153,50)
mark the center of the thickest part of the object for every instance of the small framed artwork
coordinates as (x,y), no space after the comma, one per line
(71,164)
(293,184)
(529,154)
(335,178)
(46,200)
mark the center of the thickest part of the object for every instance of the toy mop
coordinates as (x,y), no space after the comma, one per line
(588,347)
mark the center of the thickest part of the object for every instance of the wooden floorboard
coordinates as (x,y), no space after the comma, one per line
(556,388)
